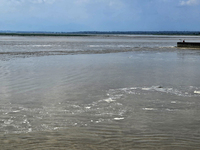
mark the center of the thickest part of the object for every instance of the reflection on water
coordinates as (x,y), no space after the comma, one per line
(145,98)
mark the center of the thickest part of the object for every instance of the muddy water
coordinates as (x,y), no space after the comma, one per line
(117,92)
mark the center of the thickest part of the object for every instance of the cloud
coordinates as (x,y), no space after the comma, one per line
(190,2)
(75,15)
(79,2)
(42,1)
(28,1)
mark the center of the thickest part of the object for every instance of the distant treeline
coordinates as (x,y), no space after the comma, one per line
(144,32)
(41,34)
(86,33)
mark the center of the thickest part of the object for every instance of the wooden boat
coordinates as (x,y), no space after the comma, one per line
(188,44)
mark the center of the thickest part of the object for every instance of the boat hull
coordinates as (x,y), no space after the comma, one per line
(188,44)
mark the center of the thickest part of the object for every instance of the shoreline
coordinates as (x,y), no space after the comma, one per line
(93,33)
(40,34)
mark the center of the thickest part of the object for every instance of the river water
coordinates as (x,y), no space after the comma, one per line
(99,92)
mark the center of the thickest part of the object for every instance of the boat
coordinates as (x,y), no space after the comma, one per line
(188,44)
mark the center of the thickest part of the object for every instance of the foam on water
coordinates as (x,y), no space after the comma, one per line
(109,100)
(149,109)
(183,91)
(15,118)
(118,118)
(196,92)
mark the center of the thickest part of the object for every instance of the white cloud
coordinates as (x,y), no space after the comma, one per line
(82,1)
(39,1)
(28,1)
(190,2)
(116,4)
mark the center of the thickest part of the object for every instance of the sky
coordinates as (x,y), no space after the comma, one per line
(99,15)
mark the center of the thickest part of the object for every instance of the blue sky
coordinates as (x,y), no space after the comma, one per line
(100,15)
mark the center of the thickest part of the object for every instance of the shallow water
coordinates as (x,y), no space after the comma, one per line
(99,92)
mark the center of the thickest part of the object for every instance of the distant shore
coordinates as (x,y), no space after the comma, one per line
(41,34)
(89,33)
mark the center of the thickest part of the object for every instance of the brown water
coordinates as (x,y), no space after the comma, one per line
(99,92)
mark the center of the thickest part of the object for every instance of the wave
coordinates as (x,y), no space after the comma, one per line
(108,121)
(190,91)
